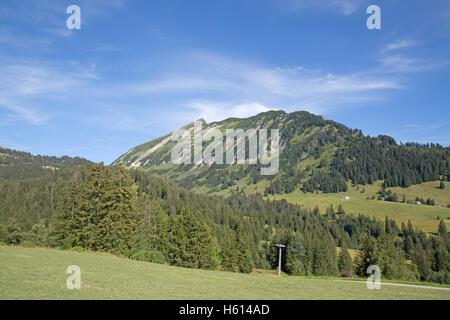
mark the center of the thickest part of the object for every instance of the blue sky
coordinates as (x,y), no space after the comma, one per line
(140,69)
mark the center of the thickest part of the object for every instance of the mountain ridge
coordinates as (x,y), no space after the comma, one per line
(16,164)
(315,154)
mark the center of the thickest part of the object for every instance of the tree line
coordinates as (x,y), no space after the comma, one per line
(131,213)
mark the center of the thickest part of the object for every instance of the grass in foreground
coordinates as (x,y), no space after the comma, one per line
(36,273)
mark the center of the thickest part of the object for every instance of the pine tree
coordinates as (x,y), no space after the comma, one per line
(409,247)
(245,262)
(309,253)
(229,251)
(99,213)
(176,250)
(194,244)
(38,234)
(423,263)
(332,266)
(65,228)
(207,249)
(341,210)
(330,212)
(369,254)
(443,229)
(319,261)
(393,264)
(387,225)
(117,213)
(325,260)
(345,262)
(12,233)
(296,256)
(152,242)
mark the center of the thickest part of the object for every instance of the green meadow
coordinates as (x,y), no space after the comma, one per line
(39,273)
(421,216)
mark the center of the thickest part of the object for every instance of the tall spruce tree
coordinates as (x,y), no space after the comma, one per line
(99,213)
(345,262)
(296,256)
(369,254)
(245,262)
(423,263)
(194,244)
(229,252)
(153,233)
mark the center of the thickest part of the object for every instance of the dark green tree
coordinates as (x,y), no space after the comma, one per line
(443,229)
(152,242)
(99,213)
(345,262)
(245,262)
(194,244)
(369,254)
(12,233)
(296,256)
(423,263)
(229,251)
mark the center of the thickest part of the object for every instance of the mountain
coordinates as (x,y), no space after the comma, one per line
(16,165)
(315,155)
(135,214)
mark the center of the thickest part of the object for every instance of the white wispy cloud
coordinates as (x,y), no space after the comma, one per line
(345,7)
(50,16)
(218,86)
(215,110)
(25,87)
(36,79)
(9,38)
(405,64)
(399,45)
(393,61)
(27,114)
(193,85)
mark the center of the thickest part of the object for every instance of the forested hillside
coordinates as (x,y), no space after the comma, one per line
(134,214)
(16,165)
(315,155)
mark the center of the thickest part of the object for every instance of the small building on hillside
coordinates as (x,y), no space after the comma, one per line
(416,202)
(346,198)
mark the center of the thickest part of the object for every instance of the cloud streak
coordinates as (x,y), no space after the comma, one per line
(399,45)
(26,86)
(345,7)
(26,114)
(214,82)
(198,84)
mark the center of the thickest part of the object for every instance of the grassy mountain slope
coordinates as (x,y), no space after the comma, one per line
(422,216)
(35,273)
(315,154)
(300,133)
(321,161)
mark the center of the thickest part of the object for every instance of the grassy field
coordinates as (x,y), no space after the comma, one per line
(36,273)
(422,216)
